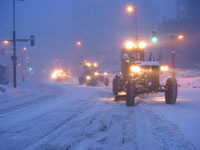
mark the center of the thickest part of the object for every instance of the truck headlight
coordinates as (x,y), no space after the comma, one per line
(164,68)
(129,45)
(135,69)
(88,78)
(105,73)
(53,76)
(142,45)
(88,64)
(96,73)
(95,65)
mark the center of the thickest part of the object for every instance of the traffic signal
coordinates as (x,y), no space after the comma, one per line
(30,69)
(32,40)
(154,38)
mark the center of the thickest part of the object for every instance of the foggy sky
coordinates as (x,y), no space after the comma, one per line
(102,26)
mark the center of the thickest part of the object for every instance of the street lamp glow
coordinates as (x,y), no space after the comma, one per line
(24,48)
(180,37)
(79,43)
(129,9)
(6,42)
(129,44)
(142,45)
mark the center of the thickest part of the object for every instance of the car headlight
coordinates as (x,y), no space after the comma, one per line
(135,69)
(88,78)
(164,68)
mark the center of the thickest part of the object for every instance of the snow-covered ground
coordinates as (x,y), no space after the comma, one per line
(58,116)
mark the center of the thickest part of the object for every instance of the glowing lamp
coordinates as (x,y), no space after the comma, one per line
(142,45)
(164,68)
(135,69)
(129,9)
(180,37)
(129,44)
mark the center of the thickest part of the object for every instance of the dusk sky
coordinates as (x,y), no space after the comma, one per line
(101,25)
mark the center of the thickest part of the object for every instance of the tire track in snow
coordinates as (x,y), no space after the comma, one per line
(56,92)
(161,133)
(98,131)
(81,103)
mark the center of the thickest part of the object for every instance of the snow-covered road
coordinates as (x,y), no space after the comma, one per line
(72,117)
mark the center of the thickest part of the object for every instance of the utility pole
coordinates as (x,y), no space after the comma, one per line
(173,38)
(14,40)
(173,56)
(14,57)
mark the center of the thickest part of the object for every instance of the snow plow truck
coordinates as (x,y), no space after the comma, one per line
(138,76)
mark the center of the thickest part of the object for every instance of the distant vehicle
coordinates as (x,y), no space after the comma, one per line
(91,75)
(60,75)
(138,76)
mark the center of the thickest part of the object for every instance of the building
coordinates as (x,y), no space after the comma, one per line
(3,75)
(188,9)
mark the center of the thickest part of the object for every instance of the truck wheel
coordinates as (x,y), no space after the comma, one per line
(81,80)
(116,86)
(106,82)
(171,93)
(130,93)
(93,82)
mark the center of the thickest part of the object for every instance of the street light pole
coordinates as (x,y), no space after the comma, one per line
(131,9)
(22,63)
(173,38)
(173,56)
(14,57)
(136,25)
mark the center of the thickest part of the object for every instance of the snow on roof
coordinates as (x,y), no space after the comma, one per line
(148,63)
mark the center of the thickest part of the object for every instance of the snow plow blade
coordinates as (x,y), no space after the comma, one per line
(120,98)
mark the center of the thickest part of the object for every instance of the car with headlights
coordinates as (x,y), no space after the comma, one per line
(91,75)
(140,76)
(60,75)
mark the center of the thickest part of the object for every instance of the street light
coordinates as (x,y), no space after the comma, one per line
(173,37)
(25,49)
(79,43)
(180,37)
(131,9)
(5,42)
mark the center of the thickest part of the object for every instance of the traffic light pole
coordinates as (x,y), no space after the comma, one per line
(14,57)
